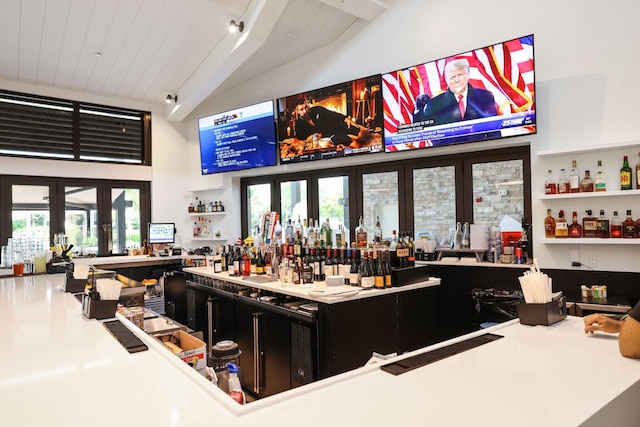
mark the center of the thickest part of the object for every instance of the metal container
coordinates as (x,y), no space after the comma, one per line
(222,353)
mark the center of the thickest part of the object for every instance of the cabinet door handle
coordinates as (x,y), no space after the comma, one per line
(211,321)
(257,352)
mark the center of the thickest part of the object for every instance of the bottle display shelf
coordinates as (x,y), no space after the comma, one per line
(192,214)
(608,193)
(211,239)
(590,241)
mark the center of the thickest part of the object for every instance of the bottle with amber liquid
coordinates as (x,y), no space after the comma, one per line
(589,225)
(550,185)
(604,228)
(616,226)
(586,185)
(564,186)
(625,175)
(575,229)
(562,228)
(549,225)
(629,227)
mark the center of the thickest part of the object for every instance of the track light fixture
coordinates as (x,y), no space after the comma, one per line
(233,26)
(172,98)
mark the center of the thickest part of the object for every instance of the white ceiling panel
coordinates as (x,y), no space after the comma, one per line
(151,48)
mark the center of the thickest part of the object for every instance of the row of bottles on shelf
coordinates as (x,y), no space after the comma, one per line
(316,235)
(592,226)
(200,206)
(574,183)
(369,267)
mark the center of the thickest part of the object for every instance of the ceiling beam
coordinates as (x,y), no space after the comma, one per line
(363,9)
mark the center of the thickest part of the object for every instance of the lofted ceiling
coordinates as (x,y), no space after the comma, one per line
(143,50)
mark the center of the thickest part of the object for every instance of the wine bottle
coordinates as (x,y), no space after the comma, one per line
(625,175)
(354,270)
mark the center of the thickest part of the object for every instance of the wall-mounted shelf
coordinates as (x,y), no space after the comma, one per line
(608,193)
(589,149)
(196,214)
(590,241)
(211,239)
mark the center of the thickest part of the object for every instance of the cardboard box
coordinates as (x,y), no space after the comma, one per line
(191,347)
(543,314)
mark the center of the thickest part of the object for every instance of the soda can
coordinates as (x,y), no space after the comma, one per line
(596,291)
(518,253)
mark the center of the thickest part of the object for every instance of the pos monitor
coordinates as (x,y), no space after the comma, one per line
(162,232)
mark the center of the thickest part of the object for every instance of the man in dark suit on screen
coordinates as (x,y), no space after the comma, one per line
(460,101)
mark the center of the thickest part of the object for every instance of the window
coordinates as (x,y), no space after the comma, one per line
(259,202)
(423,196)
(97,216)
(36,126)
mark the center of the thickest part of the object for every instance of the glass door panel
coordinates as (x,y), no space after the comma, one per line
(333,203)
(380,201)
(259,202)
(30,224)
(81,222)
(293,201)
(498,190)
(125,220)
(434,202)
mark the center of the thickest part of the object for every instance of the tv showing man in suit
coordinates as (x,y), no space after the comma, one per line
(460,101)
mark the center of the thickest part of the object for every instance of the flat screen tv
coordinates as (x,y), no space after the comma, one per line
(336,121)
(487,93)
(162,232)
(238,139)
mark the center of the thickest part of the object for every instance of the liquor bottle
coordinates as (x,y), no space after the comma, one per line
(629,228)
(367,279)
(246,264)
(217,262)
(223,260)
(307,269)
(600,181)
(616,225)
(457,241)
(346,265)
(589,225)
(314,259)
(377,231)
(575,229)
(586,185)
(277,231)
(328,263)
(387,269)
(550,185)
(335,262)
(402,253)
(625,175)
(604,230)
(261,268)
(549,225)
(254,261)
(339,237)
(564,186)
(638,173)
(378,274)
(311,234)
(562,228)
(361,235)
(297,272)
(466,237)
(411,256)
(574,177)
(354,269)
(237,257)
(288,230)
(220,206)
(328,233)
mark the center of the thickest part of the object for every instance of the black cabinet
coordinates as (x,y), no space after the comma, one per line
(175,296)
(211,312)
(264,337)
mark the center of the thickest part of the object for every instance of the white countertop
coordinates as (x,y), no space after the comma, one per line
(59,369)
(311,291)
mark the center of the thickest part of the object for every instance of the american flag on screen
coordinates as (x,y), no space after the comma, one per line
(506,69)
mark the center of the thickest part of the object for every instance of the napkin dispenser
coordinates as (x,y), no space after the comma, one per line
(97,308)
(543,314)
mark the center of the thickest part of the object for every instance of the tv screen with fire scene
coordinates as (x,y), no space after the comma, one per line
(487,93)
(336,121)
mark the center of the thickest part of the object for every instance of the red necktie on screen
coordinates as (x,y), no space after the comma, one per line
(461,106)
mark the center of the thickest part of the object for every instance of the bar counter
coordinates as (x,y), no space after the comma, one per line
(60,369)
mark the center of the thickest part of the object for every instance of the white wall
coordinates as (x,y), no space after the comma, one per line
(586,93)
